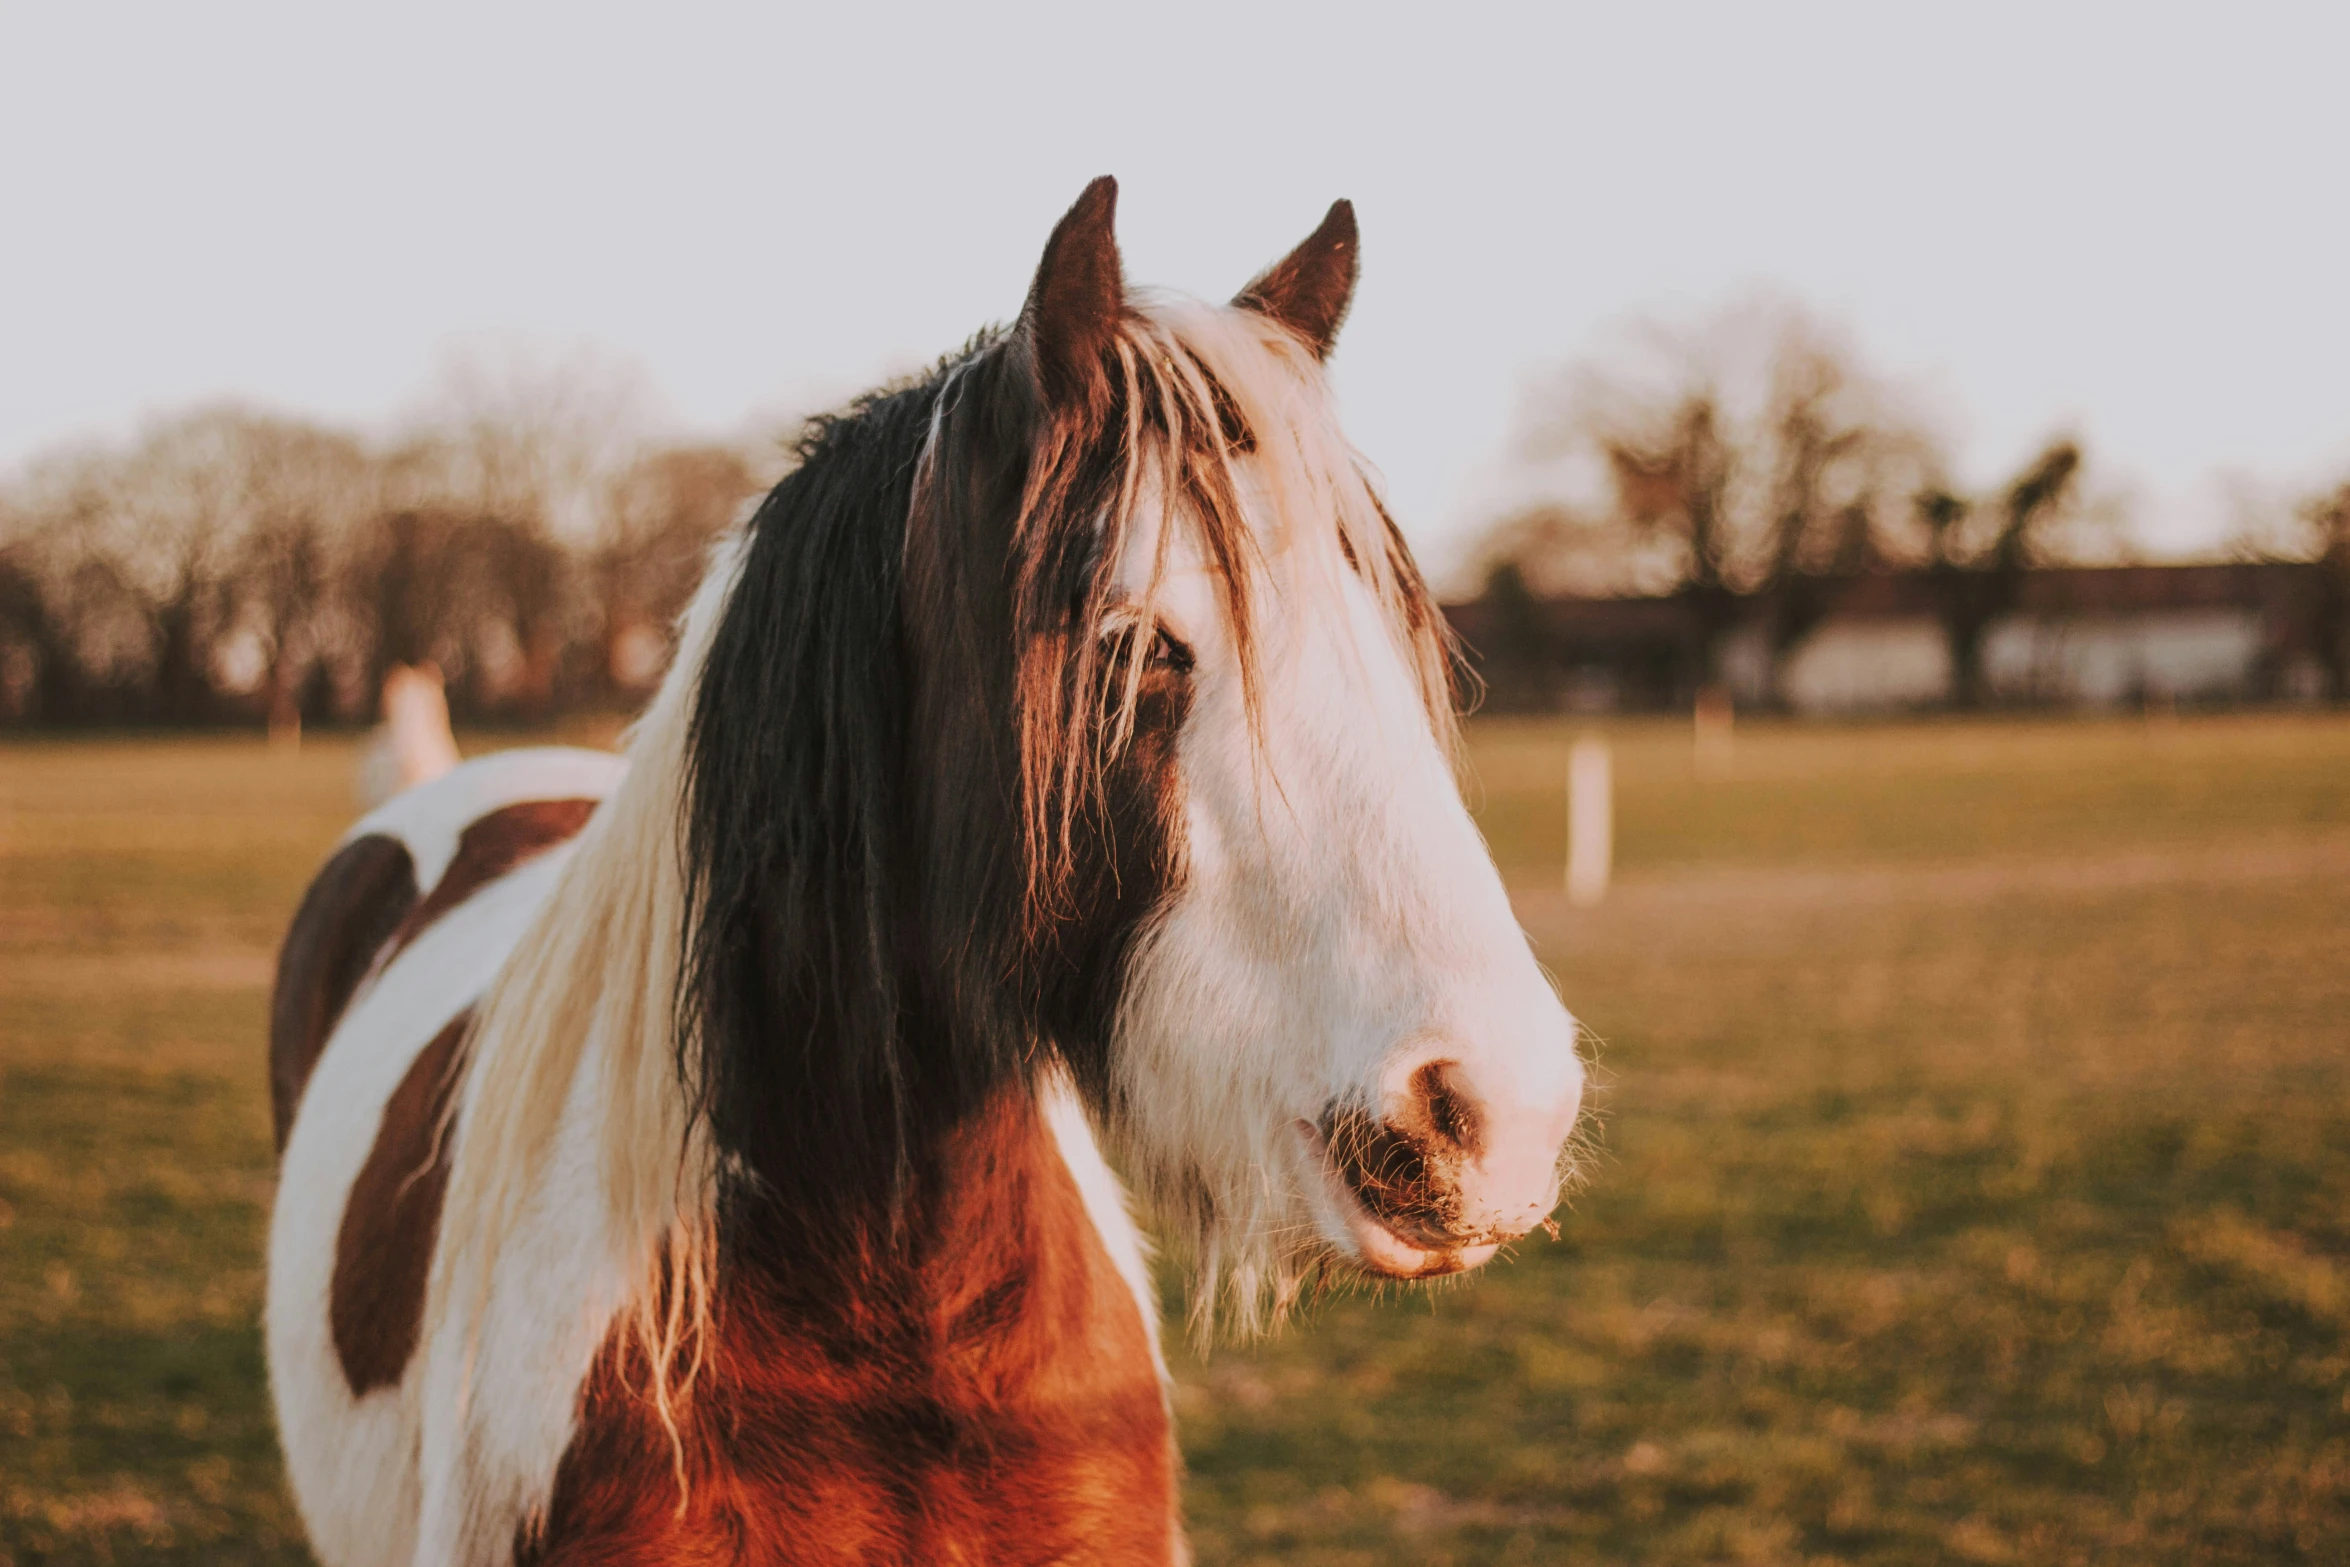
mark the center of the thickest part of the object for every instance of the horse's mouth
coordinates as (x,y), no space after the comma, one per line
(1395,1247)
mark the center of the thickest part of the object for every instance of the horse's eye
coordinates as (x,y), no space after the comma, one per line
(1168,651)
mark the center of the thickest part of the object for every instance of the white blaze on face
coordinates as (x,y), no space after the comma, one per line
(1339,956)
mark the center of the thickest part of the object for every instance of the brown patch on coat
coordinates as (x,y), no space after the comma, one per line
(358,899)
(491,846)
(383,1252)
(977,1386)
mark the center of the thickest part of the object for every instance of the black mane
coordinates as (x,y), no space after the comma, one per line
(864,965)
(793,1014)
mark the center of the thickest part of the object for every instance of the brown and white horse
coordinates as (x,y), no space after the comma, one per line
(696,1155)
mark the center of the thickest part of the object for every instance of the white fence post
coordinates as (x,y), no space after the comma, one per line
(1591,821)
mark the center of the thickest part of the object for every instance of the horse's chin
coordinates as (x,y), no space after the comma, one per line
(1356,1235)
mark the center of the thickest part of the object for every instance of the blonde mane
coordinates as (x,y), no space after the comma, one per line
(598,966)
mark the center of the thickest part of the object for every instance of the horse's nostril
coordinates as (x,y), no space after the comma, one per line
(1390,1170)
(1451,1115)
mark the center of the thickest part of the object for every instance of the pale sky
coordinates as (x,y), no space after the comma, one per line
(2125,220)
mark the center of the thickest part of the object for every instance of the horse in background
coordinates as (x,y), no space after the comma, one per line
(698,1154)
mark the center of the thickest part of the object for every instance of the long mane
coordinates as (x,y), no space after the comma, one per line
(821,916)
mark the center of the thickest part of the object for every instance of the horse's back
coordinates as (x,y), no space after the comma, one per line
(400,933)
(398,871)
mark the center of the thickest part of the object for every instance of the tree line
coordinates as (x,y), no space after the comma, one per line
(228,565)
(1751,468)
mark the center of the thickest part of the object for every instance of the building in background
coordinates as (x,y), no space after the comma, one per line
(2075,637)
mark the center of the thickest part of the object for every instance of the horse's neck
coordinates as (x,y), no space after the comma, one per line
(992,1266)
(975,1382)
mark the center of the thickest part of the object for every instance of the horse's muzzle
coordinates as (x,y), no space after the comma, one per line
(1451,1165)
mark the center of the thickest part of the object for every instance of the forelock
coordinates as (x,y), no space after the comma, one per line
(1219,424)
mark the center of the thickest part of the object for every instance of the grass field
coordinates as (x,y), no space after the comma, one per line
(1974,1180)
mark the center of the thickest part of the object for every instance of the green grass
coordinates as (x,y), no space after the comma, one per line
(1973,1180)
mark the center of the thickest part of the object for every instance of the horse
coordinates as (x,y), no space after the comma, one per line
(705,1153)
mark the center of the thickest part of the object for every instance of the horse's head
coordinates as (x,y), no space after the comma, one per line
(1160,787)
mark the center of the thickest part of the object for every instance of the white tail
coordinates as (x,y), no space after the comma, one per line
(414,743)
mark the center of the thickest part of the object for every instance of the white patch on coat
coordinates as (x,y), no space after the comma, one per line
(1105,1202)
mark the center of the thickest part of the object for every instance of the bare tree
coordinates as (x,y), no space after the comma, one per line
(2329,518)
(308,493)
(30,640)
(2314,531)
(508,480)
(137,551)
(534,437)
(661,516)
(1976,555)
(409,592)
(1749,465)
(170,523)
(225,561)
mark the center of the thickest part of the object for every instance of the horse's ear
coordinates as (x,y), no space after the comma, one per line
(1309,289)
(1071,317)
